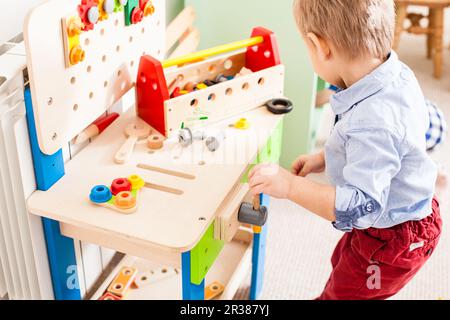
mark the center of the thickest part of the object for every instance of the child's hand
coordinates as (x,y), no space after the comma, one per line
(306,164)
(270,179)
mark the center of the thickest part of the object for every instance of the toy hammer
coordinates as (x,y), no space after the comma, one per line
(253,213)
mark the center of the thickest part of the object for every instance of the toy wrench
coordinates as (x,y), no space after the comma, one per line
(134,132)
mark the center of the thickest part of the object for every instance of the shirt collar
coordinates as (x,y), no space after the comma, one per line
(367,86)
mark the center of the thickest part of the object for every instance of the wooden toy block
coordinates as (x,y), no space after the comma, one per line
(72,27)
(123,281)
(144,279)
(109,296)
(204,254)
(214,290)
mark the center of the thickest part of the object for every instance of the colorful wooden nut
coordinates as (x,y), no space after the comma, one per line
(120,185)
(100,194)
(137,15)
(119,4)
(105,8)
(76,55)
(89,13)
(190,86)
(147,7)
(155,142)
(213,290)
(136,181)
(122,281)
(109,296)
(74,27)
(125,200)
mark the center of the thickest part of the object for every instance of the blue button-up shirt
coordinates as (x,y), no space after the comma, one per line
(376,155)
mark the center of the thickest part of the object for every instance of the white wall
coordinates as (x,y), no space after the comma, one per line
(12,15)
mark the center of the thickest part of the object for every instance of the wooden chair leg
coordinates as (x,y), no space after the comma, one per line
(438,40)
(430,34)
(401,17)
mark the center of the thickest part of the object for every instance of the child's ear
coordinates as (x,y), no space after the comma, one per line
(321,46)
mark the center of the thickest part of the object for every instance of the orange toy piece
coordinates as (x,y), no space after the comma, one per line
(76,55)
(213,290)
(125,200)
(122,281)
(147,7)
(74,26)
(109,296)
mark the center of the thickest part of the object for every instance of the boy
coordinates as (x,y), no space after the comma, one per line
(382,180)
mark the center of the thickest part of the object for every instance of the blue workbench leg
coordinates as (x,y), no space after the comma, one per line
(48,169)
(259,257)
(190,290)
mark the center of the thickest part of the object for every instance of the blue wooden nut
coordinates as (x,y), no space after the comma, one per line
(100,194)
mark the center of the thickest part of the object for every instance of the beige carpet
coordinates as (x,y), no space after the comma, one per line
(300,244)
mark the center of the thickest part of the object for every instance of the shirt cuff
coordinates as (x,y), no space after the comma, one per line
(351,206)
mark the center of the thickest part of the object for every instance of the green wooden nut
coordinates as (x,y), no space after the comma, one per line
(129,7)
(204,254)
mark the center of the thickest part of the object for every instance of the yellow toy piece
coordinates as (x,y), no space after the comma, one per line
(204,54)
(137,183)
(257,229)
(242,124)
(72,28)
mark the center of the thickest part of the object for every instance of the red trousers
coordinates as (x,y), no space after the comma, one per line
(375,264)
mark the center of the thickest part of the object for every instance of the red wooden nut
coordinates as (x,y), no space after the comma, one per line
(88,11)
(120,185)
(137,15)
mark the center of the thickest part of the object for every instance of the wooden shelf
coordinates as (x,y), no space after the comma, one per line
(230,269)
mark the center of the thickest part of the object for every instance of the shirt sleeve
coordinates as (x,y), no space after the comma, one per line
(373,160)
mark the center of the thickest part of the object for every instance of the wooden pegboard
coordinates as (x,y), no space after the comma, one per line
(67,100)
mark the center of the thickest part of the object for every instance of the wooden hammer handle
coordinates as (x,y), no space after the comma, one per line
(257,202)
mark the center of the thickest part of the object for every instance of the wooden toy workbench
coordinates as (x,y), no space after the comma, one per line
(193,228)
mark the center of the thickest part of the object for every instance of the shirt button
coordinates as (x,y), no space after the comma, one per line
(369,207)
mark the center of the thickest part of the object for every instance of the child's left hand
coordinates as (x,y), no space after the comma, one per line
(270,179)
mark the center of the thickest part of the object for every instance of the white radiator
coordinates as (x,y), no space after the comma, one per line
(24,269)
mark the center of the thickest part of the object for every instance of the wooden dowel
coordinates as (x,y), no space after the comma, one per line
(166,171)
(200,55)
(257,202)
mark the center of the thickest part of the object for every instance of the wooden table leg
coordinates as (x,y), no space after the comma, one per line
(438,40)
(401,16)
(430,34)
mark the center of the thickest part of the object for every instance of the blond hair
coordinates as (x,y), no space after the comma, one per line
(358,27)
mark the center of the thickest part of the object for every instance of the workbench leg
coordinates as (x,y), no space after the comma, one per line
(48,169)
(259,257)
(190,290)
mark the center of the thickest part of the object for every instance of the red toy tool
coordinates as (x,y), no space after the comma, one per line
(96,128)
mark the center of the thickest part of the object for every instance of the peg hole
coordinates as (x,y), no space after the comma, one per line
(246,86)
(229,92)
(261,81)
(194,103)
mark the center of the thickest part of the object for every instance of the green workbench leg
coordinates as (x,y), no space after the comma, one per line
(196,263)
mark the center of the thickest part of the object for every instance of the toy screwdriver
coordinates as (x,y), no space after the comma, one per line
(96,128)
